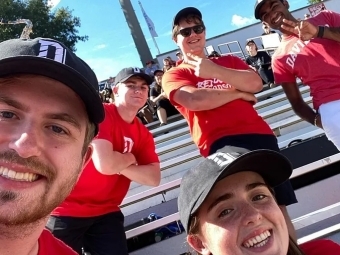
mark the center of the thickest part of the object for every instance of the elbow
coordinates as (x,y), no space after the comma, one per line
(156,178)
(155,182)
(255,85)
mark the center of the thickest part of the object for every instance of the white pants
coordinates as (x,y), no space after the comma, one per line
(330,118)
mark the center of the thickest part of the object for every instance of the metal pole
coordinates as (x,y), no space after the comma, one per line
(136,31)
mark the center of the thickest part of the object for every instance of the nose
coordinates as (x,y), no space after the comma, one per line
(251,215)
(27,143)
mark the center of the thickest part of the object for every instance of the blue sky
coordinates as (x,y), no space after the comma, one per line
(110,46)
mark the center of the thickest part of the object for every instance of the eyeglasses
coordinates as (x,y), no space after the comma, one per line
(185,32)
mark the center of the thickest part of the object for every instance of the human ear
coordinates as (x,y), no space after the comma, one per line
(196,243)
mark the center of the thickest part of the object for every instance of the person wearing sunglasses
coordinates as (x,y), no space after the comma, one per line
(216,97)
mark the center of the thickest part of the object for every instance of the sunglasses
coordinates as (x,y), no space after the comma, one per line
(185,32)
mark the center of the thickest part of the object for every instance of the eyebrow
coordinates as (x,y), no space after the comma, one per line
(54,116)
(13,103)
(228,196)
(261,13)
(65,118)
(135,82)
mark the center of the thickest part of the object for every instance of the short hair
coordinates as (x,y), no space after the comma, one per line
(191,18)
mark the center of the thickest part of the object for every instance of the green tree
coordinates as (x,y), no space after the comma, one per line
(314,1)
(59,24)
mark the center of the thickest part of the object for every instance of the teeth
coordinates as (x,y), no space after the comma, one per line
(10,174)
(258,240)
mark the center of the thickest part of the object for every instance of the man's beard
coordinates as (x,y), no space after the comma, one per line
(44,204)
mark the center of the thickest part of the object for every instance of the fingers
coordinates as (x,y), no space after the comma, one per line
(289,23)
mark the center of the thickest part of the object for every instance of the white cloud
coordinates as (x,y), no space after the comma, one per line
(53,3)
(100,46)
(240,21)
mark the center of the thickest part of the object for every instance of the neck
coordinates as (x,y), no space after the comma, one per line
(127,113)
(21,240)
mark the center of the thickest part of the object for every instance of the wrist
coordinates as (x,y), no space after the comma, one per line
(316,117)
(321,31)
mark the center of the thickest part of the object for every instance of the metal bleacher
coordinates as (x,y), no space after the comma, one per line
(178,154)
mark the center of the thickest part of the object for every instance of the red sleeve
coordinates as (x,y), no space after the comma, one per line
(174,79)
(146,153)
(281,74)
(106,127)
(332,18)
(237,63)
(320,247)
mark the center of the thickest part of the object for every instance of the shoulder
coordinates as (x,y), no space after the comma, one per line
(49,245)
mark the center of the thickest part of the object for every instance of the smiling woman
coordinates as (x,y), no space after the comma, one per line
(227,207)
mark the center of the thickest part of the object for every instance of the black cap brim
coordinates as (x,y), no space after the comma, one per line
(61,73)
(184,13)
(258,6)
(271,165)
(144,76)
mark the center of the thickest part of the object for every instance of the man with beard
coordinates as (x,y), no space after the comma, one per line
(309,50)
(216,96)
(123,151)
(49,113)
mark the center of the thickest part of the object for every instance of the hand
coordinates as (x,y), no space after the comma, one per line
(248,97)
(318,121)
(303,29)
(163,94)
(204,68)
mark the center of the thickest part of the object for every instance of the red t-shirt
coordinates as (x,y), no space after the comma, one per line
(320,247)
(234,118)
(97,194)
(315,62)
(49,245)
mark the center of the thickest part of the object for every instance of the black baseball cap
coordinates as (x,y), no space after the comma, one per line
(51,58)
(199,181)
(129,72)
(250,41)
(184,13)
(257,7)
(157,71)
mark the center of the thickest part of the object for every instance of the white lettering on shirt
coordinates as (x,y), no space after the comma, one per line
(128,144)
(213,84)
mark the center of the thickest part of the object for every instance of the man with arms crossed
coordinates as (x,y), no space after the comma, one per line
(309,50)
(216,97)
(124,151)
(49,113)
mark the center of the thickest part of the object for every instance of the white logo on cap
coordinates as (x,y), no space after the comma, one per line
(136,70)
(45,51)
(221,159)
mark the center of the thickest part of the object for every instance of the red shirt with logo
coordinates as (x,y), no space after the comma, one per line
(234,118)
(315,62)
(97,194)
(49,245)
(320,247)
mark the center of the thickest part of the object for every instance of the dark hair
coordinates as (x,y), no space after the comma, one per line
(191,18)
(194,229)
(214,54)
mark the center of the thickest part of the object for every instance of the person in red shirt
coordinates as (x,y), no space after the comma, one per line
(216,97)
(124,151)
(49,113)
(309,50)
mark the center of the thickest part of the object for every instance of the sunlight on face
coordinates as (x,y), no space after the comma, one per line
(42,131)
(240,216)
